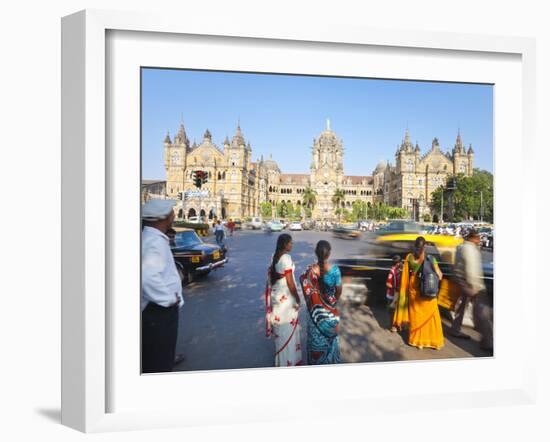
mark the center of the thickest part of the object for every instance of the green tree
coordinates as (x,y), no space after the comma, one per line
(359,210)
(266,209)
(282,210)
(337,200)
(309,198)
(467,198)
(289,210)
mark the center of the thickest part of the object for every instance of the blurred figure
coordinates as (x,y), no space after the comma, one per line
(231,227)
(425,329)
(322,288)
(469,277)
(393,282)
(219,232)
(161,290)
(282,305)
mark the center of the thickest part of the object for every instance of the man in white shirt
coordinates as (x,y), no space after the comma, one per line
(161,289)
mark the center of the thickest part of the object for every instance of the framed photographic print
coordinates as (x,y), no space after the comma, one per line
(247,216)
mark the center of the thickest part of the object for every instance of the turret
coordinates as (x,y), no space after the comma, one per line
(181,137)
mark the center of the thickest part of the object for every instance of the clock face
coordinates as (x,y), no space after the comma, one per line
(175,157)
(463,167)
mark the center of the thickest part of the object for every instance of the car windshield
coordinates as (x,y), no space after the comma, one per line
(185,239)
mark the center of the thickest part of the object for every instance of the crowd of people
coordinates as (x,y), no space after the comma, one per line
(412,287)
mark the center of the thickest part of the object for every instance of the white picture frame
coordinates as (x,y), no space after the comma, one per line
(87,214)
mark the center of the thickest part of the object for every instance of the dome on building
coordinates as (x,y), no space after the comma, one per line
(327,136)
(271,164)
(381,166)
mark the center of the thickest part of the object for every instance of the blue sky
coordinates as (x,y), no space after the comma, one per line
(281,114)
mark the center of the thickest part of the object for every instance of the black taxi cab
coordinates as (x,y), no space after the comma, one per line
(195,257)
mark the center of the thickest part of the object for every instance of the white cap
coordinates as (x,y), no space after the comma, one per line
(155,210)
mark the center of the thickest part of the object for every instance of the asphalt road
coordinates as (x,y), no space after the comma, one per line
(222,321)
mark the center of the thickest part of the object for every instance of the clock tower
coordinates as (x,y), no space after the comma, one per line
(175,158)
(327,170)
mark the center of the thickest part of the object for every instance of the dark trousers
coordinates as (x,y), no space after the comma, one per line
(159,332)
(483,320)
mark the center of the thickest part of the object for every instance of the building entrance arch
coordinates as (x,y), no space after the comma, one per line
(192,212)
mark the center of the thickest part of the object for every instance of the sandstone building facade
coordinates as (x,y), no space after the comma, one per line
(237,185)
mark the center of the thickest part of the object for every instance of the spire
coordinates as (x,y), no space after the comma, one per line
(459,147)
(181,136)
(470,150)
(238,138)
(248,146)
(435,144)
(407,146)
(167,140)
(207,135)
(417,148)
(226,141)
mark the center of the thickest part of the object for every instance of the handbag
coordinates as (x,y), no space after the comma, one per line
(429,281)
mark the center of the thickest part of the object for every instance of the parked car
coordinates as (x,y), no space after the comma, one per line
(274,226)
(195,257)
(308,224)
(255,224)
(295,226)
(346,232)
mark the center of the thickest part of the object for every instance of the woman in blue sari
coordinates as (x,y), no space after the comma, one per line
(322,287)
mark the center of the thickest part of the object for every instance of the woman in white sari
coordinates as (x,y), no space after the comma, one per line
(283,305)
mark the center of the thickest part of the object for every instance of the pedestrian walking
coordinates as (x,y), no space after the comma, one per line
(282,305)
(219,232)
(469,277)
(393,282)
(322,288)
(425,329)
(231,227)
(161,289)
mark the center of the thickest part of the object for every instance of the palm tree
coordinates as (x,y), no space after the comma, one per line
(309,199)
(337,199)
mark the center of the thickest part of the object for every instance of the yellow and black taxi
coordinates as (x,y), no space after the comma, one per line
(373,267)
(193,256)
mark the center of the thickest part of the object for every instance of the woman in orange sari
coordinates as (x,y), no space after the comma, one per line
(425,329)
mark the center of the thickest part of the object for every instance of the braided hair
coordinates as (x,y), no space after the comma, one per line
(322,250)
(282,242)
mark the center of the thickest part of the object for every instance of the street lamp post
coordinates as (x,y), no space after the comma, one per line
(481,206)
(442,196)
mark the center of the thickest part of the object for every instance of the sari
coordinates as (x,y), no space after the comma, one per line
(425,329)
(282,316)
(323,344)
